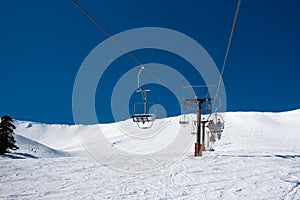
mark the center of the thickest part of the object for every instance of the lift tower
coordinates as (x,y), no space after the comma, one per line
(200,134)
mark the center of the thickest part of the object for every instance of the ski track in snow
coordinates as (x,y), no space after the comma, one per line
(258,157)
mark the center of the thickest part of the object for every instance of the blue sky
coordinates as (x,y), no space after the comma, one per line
(43,43)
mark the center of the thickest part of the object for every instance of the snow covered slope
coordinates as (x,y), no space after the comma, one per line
(60,137)
(258,157)
(262,131)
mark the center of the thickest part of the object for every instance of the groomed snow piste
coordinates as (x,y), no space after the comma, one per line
(258,157)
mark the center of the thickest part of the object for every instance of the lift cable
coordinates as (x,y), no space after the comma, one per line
(138,62)
(117,42)
(107,33)
(228,45)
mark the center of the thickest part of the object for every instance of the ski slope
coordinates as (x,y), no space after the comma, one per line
(258,157)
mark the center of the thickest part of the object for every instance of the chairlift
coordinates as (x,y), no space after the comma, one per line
(216,125)
(143,120)
(194,127)
(184,120)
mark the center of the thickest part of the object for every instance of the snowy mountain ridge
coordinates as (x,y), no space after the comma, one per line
(240,127)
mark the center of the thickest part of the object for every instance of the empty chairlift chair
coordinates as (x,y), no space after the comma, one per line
(184,120)
(143,120)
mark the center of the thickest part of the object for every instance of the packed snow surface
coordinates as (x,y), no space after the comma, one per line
(258,157)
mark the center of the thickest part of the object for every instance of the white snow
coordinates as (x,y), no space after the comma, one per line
(258,157)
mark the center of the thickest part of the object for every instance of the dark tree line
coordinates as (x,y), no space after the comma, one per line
(7,141)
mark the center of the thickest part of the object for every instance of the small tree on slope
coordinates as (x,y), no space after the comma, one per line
(7,140)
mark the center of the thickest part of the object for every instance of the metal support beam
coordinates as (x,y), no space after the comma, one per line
(203,122)
(199,146)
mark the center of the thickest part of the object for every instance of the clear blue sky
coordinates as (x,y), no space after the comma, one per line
(43,43)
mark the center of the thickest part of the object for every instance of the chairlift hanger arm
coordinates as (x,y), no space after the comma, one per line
(139,77)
